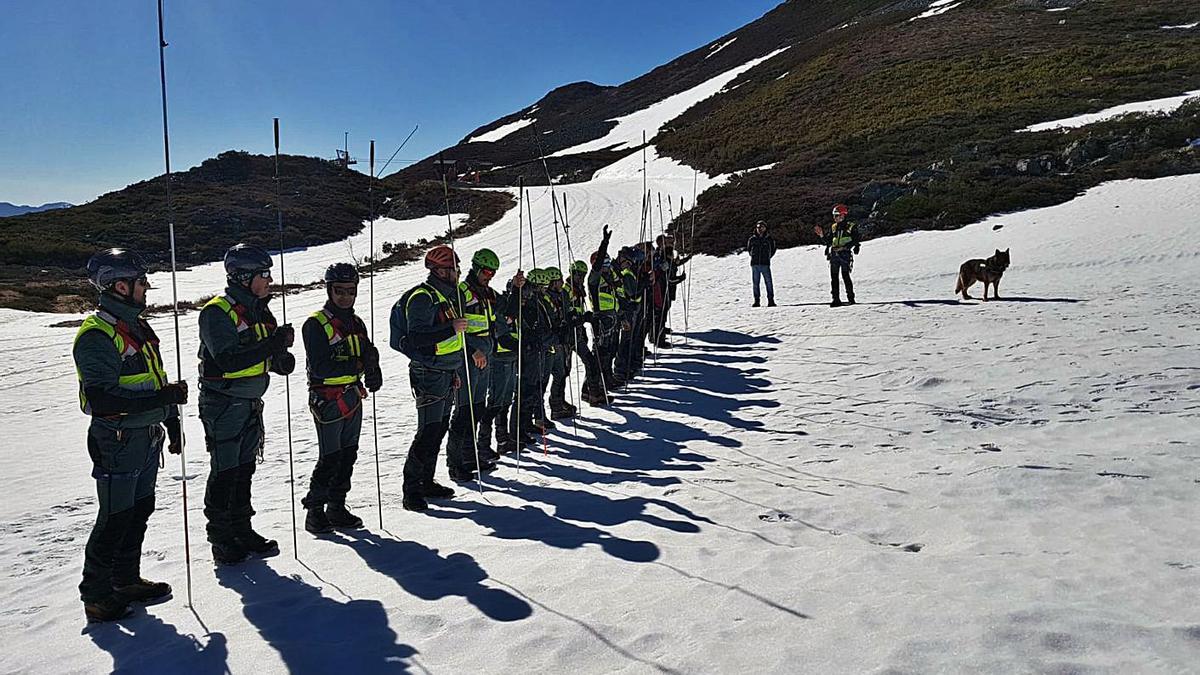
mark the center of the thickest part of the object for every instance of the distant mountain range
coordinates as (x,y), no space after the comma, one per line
(7,209)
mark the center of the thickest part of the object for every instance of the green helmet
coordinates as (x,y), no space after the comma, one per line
(486,259)
(579,267)
(537,277)
(553,274)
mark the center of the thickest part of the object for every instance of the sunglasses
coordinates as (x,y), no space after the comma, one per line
(345,292)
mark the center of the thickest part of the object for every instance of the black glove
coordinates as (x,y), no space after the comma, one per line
(174,435)
(373,379)
(370,358)
(856,247)
(175,393)
(285,336)
(827,253)
(283,363)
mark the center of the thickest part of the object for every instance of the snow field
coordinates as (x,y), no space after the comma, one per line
(908,485)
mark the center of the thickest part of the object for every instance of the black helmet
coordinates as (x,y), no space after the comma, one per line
(243,261)
(341,273)
(116,264)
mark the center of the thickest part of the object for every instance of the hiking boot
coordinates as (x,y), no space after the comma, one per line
(756,304)
(435,490)
(507,447)
(417,504)
(526,440)
(144,591)
(229,553)
(850,301)
(464,476)
(836,303)
(109,608)
(771,303)
(317,522)
(562,414)
(487,467)
(341,518)
(257,544)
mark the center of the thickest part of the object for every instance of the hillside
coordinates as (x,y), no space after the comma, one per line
(224,200)
(8,209)
(910,119)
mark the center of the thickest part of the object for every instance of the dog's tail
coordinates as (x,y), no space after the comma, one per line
(959,285)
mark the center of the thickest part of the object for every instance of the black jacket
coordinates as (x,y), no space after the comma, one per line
(761,249)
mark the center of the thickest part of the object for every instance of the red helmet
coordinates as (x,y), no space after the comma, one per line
(841,210)
(441,257)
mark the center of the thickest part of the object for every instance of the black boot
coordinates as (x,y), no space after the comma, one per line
(836,303)
(341,518)
(435,490)
(756,304)
(109,608)
(144,591)
(228,553)
(257,544)
(316,522)
(415,503)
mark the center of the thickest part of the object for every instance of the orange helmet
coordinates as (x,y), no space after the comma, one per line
(441,257)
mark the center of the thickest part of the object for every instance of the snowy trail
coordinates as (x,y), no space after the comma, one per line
(911,484)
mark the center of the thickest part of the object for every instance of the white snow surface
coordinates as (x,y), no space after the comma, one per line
(912,484)
(1185,26)
(1158,105)
(719,47)
(502,132)
(936,8)
(305,265)
(628,132)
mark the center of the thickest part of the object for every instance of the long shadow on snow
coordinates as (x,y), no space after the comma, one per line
(718,336)
(591,507)
(147,644)
(426,575)
(529,523)
(313,633)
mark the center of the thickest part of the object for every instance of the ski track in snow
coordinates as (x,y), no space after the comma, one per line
(912,484)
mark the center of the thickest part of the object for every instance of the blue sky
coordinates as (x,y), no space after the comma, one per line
(79,92)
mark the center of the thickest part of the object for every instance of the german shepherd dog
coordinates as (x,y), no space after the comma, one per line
(988,271)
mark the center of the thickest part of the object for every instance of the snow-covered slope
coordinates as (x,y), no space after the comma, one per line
(908,485)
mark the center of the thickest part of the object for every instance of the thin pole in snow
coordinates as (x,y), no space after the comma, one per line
(287,379)
(162,77)
(371,297)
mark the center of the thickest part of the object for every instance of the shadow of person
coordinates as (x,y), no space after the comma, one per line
(720,336)
(425,574)
(313,633)
(583,506)
(145,643)
(529,523)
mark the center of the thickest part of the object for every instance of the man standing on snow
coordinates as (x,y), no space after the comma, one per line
(240,344)
(761,247)
(343,366)
(428,328)
(841,244)
(123,387)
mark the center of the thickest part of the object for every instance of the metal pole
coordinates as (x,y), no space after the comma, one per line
(287,379)
(162,76)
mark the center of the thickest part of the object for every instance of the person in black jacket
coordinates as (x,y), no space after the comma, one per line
(343,366)
(761,247)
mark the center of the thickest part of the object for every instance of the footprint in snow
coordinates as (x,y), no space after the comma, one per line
(775,517)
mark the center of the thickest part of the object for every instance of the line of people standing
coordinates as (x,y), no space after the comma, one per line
(481,363)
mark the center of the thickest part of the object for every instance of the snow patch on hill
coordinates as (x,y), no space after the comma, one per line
(502,132)
(627,134)
(1159,105)
(936,8)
